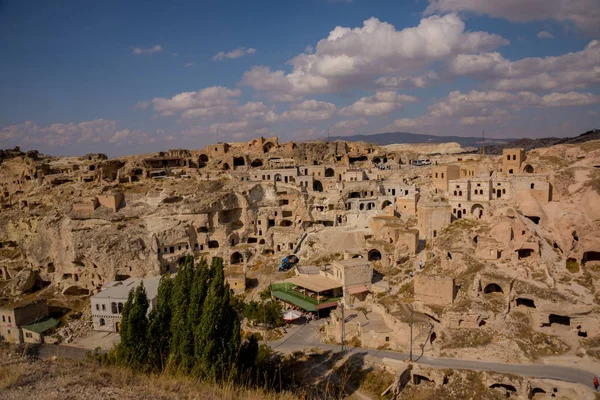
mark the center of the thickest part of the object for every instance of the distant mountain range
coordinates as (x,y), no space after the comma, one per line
(492,146)
(406,137)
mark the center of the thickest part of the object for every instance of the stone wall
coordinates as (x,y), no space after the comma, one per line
(434,289)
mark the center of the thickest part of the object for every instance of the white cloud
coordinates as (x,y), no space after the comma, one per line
(585,14)
(407,82)
(565,72)
(351,124)
(350,58)
(189,64)
(545,35)
(67,134)
(383,102)
(154,49)
(236,53)
(207,102)
(310,110)
(476,107)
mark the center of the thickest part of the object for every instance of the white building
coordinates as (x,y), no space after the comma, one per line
(107,304)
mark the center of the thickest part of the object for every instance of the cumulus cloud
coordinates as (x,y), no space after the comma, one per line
(477,107)
(558,73)
(351,124)
(154,49)
(233,54)
(545,35)
(350,58)
(585,14)
(207,102)
(310,110)
(407,82)
(383,102)
(189,64)
(67,134)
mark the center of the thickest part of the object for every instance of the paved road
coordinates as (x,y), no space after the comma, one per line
(306,337)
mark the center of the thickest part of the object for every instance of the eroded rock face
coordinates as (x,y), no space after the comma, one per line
(23,281)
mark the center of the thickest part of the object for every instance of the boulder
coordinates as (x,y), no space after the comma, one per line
(23,281)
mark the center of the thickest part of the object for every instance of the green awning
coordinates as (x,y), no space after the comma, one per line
(42,325)
(295,300)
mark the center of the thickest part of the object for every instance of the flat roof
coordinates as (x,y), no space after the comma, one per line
(315,283)
(120,290)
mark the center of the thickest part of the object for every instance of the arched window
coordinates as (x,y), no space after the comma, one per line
(120,308)
(113,307)
(102,322)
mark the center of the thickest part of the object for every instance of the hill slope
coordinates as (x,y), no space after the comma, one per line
(406,137)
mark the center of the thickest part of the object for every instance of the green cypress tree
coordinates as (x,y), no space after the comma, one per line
(218,334)
(197,296)
(182,340)
(159,329)
(138,328)
(124,348)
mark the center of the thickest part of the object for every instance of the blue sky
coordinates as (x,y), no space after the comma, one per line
(138,76)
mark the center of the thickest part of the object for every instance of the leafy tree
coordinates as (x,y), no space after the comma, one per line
(159,328)
(269,312)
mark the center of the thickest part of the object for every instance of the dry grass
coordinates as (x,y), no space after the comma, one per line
(468,338)
(376,381)
(10,375)
(87,380)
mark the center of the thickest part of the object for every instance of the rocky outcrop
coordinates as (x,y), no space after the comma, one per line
(23,281)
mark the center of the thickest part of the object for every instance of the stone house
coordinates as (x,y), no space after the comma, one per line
(433,217)
(442,174)
(512,160)
(107,304)
(14,317)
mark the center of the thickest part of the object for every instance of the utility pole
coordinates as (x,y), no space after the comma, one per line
(411,324)
(265,323)
(343,326)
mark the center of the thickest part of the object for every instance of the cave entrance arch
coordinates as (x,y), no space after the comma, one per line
(238,161)
(268,146)
(374,255)
(477,210)
(559,320)
(521,301)
(329,172)
(256,163)
(528,169)
(385,204)
(590,256)
(317,186)
(236,258)
(493,288)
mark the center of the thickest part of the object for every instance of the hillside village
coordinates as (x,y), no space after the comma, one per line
(493,257)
